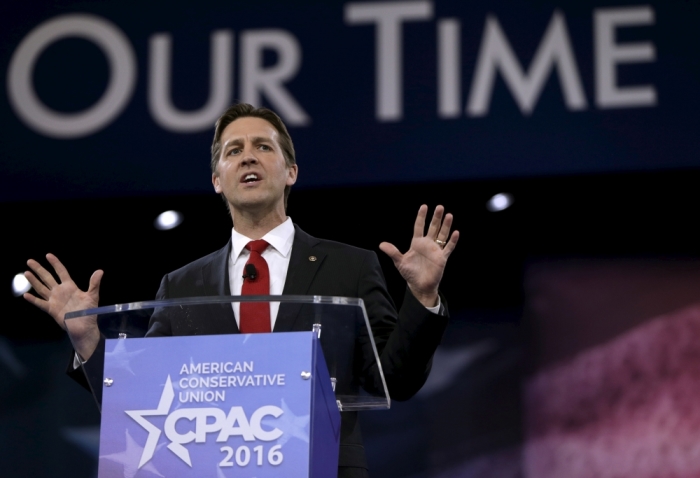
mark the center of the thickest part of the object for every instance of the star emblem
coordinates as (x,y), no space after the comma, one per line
(125,458)
(166,400)
(119,358)
(291,425)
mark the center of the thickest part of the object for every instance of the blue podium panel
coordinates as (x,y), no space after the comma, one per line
(256,406)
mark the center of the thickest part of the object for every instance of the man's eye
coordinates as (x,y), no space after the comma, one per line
(233,151)
(265,147)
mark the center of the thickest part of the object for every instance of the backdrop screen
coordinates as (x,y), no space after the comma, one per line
(119,98)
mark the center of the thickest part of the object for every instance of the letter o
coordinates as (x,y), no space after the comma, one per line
(122,78)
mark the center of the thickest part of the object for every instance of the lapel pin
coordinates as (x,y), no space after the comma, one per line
(312,258)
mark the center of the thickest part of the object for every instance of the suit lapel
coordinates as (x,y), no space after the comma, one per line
(300,275)
(215,273)
(216,283)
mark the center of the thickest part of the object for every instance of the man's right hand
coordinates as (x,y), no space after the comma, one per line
(58,298)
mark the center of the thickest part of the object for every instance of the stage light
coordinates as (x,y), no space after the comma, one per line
(168,220)
(499,202)
(20,285)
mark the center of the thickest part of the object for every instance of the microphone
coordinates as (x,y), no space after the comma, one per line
(250,272)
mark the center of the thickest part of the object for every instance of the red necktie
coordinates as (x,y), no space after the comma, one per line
(255,316)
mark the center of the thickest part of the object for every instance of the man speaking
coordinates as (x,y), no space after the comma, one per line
(253,168)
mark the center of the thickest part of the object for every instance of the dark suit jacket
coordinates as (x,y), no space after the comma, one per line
(405,340)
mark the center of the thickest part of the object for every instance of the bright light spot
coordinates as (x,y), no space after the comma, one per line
(20,285)
(168,220)
(499,202)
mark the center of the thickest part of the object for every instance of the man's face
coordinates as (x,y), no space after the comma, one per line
(252,172)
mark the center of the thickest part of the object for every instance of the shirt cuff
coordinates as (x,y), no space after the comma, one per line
(438,309)
(77,362)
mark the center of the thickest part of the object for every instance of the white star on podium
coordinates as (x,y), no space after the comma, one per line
(166,399)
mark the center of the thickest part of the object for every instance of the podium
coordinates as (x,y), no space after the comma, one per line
(177,400)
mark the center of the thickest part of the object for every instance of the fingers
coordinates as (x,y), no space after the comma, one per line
(37,285)
(451,244)
(391,251)
(95,279)
(44,275)
(419,225)
(35,301)
(60,269)
(445,228)
(439,227)
(435,222)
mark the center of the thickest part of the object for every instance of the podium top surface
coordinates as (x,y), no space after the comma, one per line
(223,299)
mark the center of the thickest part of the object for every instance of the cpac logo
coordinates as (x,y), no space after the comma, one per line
(235,423)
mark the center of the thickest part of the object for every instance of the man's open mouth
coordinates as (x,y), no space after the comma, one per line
(250,178)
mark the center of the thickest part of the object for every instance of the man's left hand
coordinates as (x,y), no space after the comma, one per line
(423,264)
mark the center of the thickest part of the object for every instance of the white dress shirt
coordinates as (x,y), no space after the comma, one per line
(277,255)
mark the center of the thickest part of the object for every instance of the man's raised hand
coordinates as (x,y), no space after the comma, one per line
(423,265)
(57,298)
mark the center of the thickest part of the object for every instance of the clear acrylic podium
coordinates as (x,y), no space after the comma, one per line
(182,394)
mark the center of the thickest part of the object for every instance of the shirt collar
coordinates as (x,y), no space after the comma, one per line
(280,238)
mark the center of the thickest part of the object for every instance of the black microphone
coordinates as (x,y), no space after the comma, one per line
(250,272)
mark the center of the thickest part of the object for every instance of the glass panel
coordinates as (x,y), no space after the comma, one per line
(346,339)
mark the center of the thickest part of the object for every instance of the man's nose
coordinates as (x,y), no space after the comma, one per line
(248,158)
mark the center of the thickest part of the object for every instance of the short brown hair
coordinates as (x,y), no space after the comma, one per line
(243,110)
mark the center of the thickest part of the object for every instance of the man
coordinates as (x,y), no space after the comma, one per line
(253,168)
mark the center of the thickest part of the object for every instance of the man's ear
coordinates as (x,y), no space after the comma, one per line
(292,173)
(216,183)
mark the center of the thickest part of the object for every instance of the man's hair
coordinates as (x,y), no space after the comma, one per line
(244,110)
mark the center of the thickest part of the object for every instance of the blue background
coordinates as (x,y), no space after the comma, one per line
(345,144)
